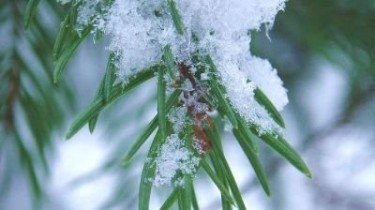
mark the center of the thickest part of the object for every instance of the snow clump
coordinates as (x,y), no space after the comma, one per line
(173,157)
(137,31)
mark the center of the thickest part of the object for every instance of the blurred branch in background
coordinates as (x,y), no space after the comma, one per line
(342,34)
(32,109)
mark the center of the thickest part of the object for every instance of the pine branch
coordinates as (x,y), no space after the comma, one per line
(210,94)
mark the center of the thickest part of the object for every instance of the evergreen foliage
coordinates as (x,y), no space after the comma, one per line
(199,135)
(34,102)
(29,114)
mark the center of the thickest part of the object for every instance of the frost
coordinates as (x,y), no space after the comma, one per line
(137,31)
(173,157)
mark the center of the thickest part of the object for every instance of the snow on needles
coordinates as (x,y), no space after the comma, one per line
(137,31)
(173,157)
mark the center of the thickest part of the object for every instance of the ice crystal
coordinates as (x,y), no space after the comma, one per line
(173,157)
(139,29)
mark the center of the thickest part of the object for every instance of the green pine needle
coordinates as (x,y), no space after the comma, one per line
(31,9)
(218,92)
(148,173)
(186,191)
(149,129)
(176,17)
(169,61)
(254,160)
(263,100)
(215,178)
(220,173)
(92,123)
(162,112)
(61,36)
(281,146)
(99,94)
(118,90)
(246,133)
(68,52)
(110,76)
(172,198)
(218,154)
(194,201)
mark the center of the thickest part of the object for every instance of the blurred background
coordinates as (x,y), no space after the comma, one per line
(324,52)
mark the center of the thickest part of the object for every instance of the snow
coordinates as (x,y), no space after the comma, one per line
(173,157)
(137,31)
(177,116)
(87,10)
(265,77)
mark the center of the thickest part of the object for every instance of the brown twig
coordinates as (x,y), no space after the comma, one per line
(200,117)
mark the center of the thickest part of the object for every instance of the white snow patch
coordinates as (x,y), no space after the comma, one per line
(265,77)
(173,157)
